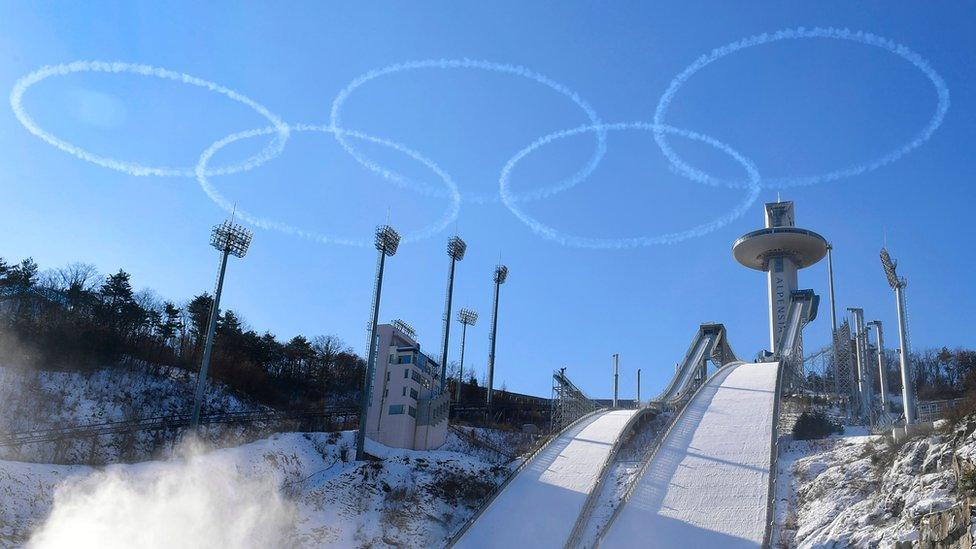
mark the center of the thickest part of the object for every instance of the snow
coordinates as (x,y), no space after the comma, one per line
(860,491)
(708,484)
(541,504)
(301,488)
(37,399)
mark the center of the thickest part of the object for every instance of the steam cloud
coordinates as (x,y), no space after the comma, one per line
(794,34)
(200,500)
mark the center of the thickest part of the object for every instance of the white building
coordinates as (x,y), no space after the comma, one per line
(406,406)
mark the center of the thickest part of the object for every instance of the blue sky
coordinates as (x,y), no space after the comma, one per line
(792,108)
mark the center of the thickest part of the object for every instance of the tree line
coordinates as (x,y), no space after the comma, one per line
(75,319)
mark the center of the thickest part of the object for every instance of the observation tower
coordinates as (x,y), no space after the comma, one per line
(780,249)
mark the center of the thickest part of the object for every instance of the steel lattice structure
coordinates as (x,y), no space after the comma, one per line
(569,402)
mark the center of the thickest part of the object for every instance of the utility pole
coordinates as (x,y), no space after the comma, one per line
(466,317)
(882,369)
(501,274)
(638,388)
(616,377)
(861,352)
(907,384)
(387,241)
(230,239)
(833,317)
(455,250)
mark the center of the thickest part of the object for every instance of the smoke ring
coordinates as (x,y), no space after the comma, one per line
(518,70)
(23,84)
(202,176)
(794,34)
(555,235)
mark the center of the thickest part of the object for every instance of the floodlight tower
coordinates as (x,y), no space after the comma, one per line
(466,317)
(230,239)
(455,250)
(501,274)
(780,249)
(882,369)
(898,285)
(387,241)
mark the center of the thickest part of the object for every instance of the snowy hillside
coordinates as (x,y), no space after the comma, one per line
(864,491)
(290,489)
(31,399)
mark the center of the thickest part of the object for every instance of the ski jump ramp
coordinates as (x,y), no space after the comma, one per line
(708,483)
(540,505)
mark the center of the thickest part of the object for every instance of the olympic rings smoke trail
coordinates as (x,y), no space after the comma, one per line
(340,99)
(264,223)
(550,233)
(16,103)
(793,34)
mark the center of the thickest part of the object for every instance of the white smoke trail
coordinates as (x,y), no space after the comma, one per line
(793,34)
(340,99)
(452,193)
(550,233)
(16,103)
(200,500)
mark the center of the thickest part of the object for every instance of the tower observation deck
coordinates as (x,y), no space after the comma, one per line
(780,250)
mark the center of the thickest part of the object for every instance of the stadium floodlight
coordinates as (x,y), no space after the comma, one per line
(401,325)
(455,250)
(466,317)
(230,239)
(387,241)
(889,268)
(501,275)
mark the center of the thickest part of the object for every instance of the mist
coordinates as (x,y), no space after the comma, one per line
(195,500)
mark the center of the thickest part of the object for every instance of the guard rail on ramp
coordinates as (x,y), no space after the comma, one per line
(708,483)
(540,505)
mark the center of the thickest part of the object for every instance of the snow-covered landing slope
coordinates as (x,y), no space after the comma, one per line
(708,484)
(540,505)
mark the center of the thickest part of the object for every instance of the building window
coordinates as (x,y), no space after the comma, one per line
(413,393)
(418,378)
(410,410)
(396,409)
(388,376)
(406,373)
(404,359)
(391,358)
(404,391)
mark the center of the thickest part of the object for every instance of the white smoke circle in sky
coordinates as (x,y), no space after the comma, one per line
(550,233)
(200,500)
(795,34)
(202,175)
(475,64)
(16,103)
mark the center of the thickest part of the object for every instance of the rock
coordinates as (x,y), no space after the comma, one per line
(946,529)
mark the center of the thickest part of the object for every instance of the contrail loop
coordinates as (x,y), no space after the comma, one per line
(555,235)
(21,86)
(202,176)
(794,34)
(537,194)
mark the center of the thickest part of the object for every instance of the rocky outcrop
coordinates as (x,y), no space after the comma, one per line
(948,529)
